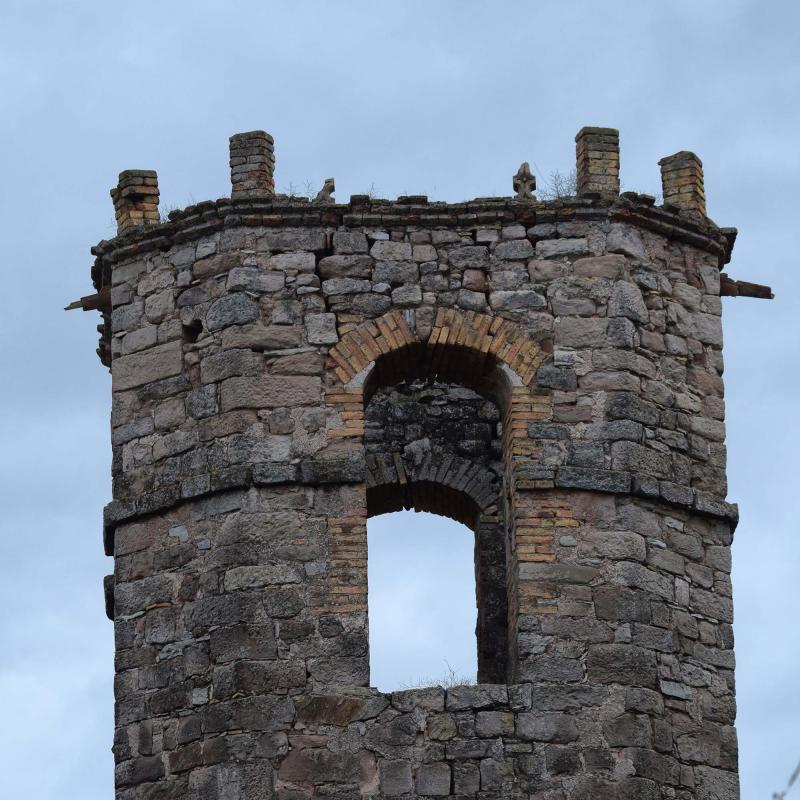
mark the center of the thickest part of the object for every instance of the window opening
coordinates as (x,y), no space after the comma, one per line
(422,601)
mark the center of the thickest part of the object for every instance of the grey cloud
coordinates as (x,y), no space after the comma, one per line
(446,98)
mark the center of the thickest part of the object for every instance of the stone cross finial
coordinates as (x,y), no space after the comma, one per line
(324,194)
(524,182)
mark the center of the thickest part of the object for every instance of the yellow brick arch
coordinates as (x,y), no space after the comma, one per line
(459,341)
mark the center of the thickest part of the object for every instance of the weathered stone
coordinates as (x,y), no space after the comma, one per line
(470,257)
(557,248)
(553,377)
(338,286)
(433,780)
(431,699)
(406,296)
(202,402)
(610,266)
(263,337)
(626,301)
(494,723)
(716,784)
(232,309)
(622,663)
(148,366)
(229,363)
(349,242)
(512,301)
(514,249)
(269,391)
(626,240)
(254,279)
(540,727)
(346,266)
(396,778)
(579,332)
(602,480)
(475,301)
(396,273)
(477,697)
(391,251)
(474,280)
(321,329)
(556,573)
(634,457)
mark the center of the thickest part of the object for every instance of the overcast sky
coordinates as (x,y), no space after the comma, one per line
(444,98)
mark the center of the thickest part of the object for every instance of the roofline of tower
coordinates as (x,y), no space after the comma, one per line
(273,211)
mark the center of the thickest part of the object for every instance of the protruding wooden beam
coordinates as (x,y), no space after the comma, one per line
(729,287)
(93,302)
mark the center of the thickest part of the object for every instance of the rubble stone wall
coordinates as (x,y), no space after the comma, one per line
(547,373)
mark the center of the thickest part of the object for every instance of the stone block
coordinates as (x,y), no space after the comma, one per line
(469,257)
(626,301)
(627,241)
(294,240)
(559,248)
(343,286)
(270,391)
(349,242)
(147,366)
(610,266)
(395,777)
(486,695)
(391,251)
(622,663)
(405,296)
(515,249)
(433,780)
(429,699)
(474,280)
(321,329)
(262,337)
(516,301)
(539,727)
(491,724)
(475,301)
(231,309)
(628,730)
(579,332)
(254,279)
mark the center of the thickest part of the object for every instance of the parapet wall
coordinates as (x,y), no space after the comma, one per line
(278,370)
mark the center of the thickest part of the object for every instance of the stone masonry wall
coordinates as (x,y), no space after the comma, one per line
(547,373)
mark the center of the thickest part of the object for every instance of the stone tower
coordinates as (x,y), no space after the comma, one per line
(548,373)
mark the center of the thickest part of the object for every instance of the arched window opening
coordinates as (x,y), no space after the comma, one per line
(436,447)
(422,601)
(440,409)
(480,371)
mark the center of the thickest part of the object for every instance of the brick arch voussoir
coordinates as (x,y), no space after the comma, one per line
(395,481)
(392,336)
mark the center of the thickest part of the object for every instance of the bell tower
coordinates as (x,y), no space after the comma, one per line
(263,347)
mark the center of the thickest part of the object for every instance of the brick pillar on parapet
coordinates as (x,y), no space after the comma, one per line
(136,199)
(597,154)
(682,182)
(252,164)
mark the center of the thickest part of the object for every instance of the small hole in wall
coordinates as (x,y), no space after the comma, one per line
(422,607)
(192,331)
